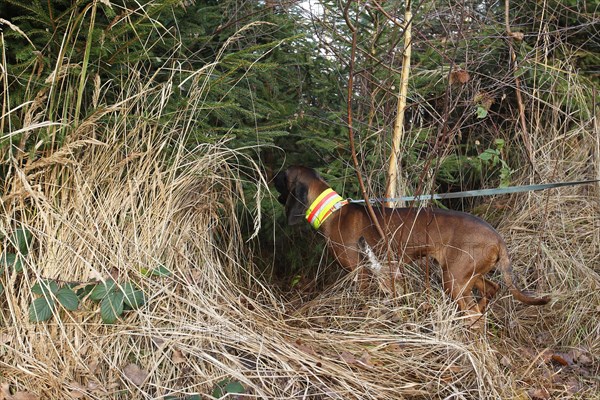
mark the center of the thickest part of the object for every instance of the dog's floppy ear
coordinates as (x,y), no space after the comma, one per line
(295,206)
(293,194)
(281,186)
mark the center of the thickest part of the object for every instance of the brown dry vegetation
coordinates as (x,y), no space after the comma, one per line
(137,199)
(111,208)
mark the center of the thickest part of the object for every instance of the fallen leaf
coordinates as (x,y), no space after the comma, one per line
(539,394)
(459,76)
(365,360)
(5,338)
(93,367)
(77,391)
(581,357)
(547,355)
(5,392)
(347,357)
(505,362)
(76,394)
(563,359)
(305,348)
(135,374)
(178,357)
(395,347)
(24,396)
(518,36)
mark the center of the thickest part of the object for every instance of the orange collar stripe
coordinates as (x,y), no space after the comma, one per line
(323,206)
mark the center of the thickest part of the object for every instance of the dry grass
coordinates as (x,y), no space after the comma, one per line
(137,199)
(114,208)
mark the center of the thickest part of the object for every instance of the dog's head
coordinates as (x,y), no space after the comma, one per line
(293,186)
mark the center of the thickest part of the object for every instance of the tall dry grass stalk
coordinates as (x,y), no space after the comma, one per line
(124,195)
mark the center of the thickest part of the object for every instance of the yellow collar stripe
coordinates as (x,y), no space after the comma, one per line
(323,206)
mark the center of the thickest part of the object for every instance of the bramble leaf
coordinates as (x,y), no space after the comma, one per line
(161,270)
(21,239)
(133,297)
(41,309)
(102,289)
(67,297)
(10,260)
(481,112)
(111,307)
(45,288)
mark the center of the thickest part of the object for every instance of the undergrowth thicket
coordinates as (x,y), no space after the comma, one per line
(137,229)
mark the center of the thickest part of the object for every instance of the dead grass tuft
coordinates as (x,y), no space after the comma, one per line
(136,199)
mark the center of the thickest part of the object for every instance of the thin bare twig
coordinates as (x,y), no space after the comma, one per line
(513,59)
(393,173)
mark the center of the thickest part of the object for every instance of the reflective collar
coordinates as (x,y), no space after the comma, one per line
(324,205)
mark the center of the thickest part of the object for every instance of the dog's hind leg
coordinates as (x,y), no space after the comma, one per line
(487,289)
(461,290)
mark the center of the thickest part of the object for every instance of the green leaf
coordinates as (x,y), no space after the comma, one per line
(161,270)
(67,297)
(234,387)
(133,298)
(21,240)
(489,154)
(227,386)
(1,288)
(481,112)
(84,291)
(7,259)
(41,309)
(111,307)
(295,280)
(102,289)
(12,261)
(45,288)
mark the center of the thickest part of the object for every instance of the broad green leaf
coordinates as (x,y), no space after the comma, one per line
(111,307)
(481,112)
(102,289)
(67,297)
(45,288)
(10,260)
(21,240)
(217,392)
(234,387)
(227,386)
(7,259)
(41,309)
(295,280)
(161,270)
(84,291)
(133,297)
(18,265)
(489,154)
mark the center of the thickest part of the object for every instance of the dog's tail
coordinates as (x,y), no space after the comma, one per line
(504,265)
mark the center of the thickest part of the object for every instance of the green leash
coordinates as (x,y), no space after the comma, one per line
(482,192)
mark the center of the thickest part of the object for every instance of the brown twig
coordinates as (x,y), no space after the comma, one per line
(368,205)
(513,59)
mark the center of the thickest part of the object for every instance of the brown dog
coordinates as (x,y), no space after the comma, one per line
(465,247)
